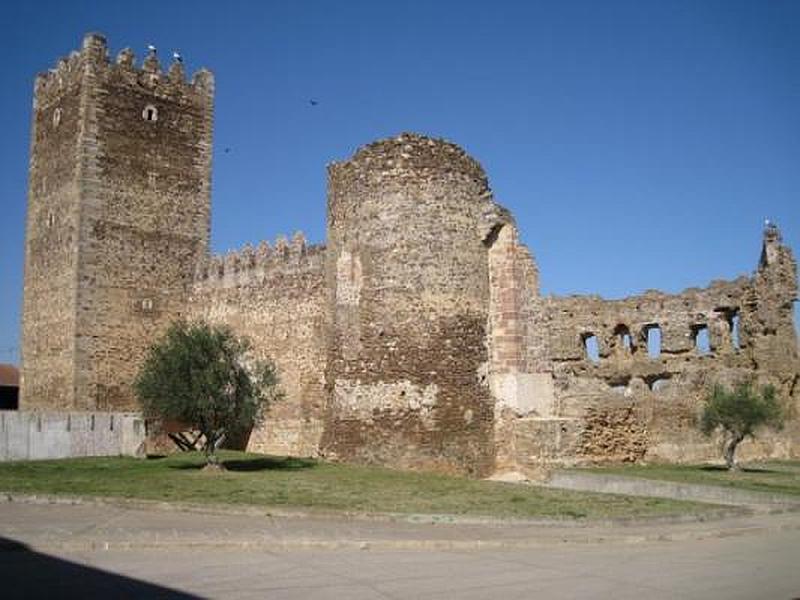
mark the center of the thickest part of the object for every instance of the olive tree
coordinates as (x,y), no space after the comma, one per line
(204,376)
(738,413)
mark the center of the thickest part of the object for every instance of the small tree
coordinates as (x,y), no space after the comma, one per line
(204,376)
(739,413)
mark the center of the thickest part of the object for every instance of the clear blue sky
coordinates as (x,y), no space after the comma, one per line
(639,144)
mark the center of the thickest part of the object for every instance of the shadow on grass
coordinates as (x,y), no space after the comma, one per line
(265,463)
(723,469)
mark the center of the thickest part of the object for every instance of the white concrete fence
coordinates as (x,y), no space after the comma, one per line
(33,435)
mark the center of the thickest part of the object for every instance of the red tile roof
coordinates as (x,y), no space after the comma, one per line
(9,375)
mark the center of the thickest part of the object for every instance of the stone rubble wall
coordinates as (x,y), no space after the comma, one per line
(51,238)
(274,296)
(407,283)
(625,405)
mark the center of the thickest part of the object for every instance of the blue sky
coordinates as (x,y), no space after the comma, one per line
(639,144)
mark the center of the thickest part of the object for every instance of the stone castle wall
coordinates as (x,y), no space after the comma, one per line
(275,296)
(415,338)
(51,236)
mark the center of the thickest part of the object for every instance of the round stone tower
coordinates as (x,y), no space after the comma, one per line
(408,278)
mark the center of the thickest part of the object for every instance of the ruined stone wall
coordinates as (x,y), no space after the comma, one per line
(407,279)
(519,374)
(632,400)
(275,296)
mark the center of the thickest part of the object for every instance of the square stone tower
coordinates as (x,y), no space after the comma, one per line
(118,218)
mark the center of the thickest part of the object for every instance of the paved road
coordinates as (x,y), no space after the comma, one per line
(60,551)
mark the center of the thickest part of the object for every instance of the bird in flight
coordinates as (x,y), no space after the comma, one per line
(313,102)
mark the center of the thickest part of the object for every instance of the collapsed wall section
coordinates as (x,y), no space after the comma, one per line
(274,295)
(630,375)
(519,375)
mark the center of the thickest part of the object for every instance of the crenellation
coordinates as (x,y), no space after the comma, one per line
(172,86)
(251,263)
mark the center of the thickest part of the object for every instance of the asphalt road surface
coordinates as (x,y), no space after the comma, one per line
(53,551)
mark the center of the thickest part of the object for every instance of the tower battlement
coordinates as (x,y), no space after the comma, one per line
(149,74)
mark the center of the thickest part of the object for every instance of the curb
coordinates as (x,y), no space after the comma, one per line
(413,518)
(94,545)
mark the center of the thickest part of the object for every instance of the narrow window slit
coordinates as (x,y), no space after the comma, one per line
(652,337)
(702,343)
(735,324)
(591,347)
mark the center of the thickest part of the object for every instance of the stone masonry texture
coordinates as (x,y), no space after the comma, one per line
(416,337)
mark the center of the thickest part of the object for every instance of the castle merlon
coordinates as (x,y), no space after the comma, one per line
(251,259)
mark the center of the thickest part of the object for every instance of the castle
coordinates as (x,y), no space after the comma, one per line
(416,337)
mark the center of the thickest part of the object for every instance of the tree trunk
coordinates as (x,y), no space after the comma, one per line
(212,443)
(730,451)
(210,450)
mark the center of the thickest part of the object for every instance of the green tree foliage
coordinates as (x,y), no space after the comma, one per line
(205,377)
(739,413)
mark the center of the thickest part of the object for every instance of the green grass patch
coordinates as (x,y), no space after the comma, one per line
(777,477)
(260,480)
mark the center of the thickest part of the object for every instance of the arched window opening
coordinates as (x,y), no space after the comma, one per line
(620,385)
(652,337)
(702,343)
(658,383)
(150,113)
(590,347)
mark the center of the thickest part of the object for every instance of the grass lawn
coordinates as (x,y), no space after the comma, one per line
(778,477)
(261,480)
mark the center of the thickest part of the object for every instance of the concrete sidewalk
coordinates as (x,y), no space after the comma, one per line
(657,488)
(117,525)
